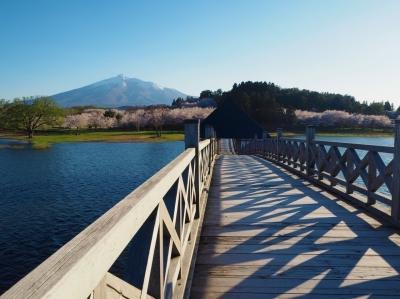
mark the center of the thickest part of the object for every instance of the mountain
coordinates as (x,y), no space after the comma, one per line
(116,92)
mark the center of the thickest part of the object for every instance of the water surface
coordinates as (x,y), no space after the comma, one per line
(48,196)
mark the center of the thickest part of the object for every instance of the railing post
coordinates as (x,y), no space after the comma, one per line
(264,144)
(278,137)
(396,174)
(310,136)
(209,134)
(254,145)
(371,177)
(192,139)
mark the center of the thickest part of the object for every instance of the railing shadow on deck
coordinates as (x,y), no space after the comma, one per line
(291,245)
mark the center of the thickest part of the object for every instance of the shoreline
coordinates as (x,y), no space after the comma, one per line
(43,141)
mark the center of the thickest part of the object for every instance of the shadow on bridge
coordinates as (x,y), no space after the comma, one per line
(268,233)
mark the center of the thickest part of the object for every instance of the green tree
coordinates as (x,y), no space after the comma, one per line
(206,94)
(118,117)
(30,115)
(388,106)
(109,113)
(290,116)
(375,108)
(177,103)
(2,113)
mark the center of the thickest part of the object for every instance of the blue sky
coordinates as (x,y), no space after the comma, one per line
(350,46)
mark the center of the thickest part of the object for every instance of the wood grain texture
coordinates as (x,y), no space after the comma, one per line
(268,234)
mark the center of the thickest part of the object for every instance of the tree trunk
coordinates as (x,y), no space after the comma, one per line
(30,134)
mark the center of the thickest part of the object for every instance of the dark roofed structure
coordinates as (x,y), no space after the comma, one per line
(229,121)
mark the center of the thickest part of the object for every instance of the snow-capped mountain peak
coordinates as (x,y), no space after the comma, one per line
(118,91)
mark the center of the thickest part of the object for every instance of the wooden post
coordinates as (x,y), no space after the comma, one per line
(278,137)
(396,174)
(350,167)
(215,143)
(192,139)
(209,134)
(371,177)
(254,143)
(264,144)
(310,136)
(192,133)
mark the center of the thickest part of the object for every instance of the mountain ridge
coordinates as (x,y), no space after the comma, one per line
(118,91)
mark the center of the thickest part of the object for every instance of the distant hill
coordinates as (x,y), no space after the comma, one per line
(116,92)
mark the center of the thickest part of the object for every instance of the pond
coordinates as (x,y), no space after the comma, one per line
(49,196)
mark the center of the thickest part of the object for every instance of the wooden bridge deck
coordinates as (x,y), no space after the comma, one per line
(268,234)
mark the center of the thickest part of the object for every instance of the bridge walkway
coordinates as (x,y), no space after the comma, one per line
(226,146)
(269,234)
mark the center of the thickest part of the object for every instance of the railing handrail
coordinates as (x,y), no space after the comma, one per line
(330,163)
(203,143)
(78,267)
(357,146)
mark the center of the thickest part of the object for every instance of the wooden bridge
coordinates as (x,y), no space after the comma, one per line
(280,218)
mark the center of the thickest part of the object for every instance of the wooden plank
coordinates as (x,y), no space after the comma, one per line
(215,295)
(289,231)
(269,292)
(304,238)
(337,248)
(316,258)
(336,272)
(268,234)
(251,284)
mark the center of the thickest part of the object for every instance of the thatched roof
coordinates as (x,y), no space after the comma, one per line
(229,121)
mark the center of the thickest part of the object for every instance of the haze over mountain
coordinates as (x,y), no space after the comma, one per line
(116,92)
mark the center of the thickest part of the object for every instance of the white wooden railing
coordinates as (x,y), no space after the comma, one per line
(367,175)
(171,203)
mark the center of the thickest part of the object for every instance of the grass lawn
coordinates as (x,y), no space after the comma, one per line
(43,140)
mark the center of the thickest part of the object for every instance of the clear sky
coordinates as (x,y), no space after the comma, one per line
(348,46)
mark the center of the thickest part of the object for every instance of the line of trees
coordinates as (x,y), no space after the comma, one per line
(271,105)
(155,118)
(29,115)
